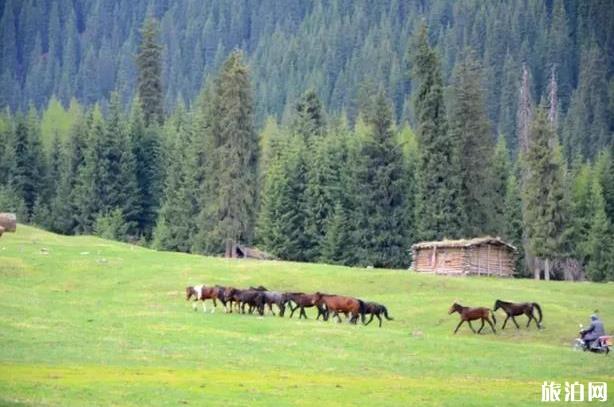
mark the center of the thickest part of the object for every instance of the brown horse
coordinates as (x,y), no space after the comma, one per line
(514,309)
(342,304)
(303,301)
(202,293)
(470,314)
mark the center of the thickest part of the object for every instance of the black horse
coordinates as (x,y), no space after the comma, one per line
(513,309)
(273,297)
(376,309)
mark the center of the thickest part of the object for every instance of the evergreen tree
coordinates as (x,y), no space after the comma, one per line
(469,126)
(543,195)
(513,227)
(281,225)
(235,153)
(439,212)
(148,160)
(600,242)
(88,195)
(149,63)
(26,174)
(175,228)
(337,242)
(382,188)
(501,171)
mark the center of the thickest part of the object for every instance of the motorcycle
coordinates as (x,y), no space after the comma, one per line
(599,345)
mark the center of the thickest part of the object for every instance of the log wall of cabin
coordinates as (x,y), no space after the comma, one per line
(490,260)
(475,260)
(448,260)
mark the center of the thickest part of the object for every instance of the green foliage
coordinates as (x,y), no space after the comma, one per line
(10,201)
(470,128)
(512,225)
(234,154)
(56,121)
(544,198)
(439,211)
(381,212)
(111,225)
(149,63)
(600,265)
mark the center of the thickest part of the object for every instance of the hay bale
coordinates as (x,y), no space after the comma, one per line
(8,221)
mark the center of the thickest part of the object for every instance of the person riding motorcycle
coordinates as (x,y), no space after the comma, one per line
(593,332)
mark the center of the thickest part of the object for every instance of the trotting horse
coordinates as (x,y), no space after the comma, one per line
(303,301)
(514,309)
(342,304)
(470,314)
(202,293)
(273,297)
(376,309)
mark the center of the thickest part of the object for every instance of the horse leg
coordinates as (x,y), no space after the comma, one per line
(481,326)
(338,317)
(369,321)
(195,305)
(530,318)
(491,325)
(214,306)
(302,313)
(505,322)
(380,320)
(458,326)
(293,309)
(204,306)
(515,323)
(471,326)
(271,308)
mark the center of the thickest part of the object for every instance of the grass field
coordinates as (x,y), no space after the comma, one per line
(90,322)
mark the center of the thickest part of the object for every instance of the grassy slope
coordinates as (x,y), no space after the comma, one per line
(112,327)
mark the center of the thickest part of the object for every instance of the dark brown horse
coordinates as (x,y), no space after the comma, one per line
(514,309)
(230,296)
(303,301)
(470,314)
(202,293)
(376,309)
(342,304)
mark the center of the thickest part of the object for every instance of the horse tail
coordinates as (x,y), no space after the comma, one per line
(361,310)
(494,319)
(386,314)
(539,311)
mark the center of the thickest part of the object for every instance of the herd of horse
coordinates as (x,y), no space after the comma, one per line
(259,298)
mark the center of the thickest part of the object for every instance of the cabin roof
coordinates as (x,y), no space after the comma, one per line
(497,241)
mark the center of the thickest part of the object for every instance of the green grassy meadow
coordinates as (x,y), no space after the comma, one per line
(84,321)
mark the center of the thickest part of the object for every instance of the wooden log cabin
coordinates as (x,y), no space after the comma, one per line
(485,256)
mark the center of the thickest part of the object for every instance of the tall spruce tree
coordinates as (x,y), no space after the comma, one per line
(439,210)
(382,188)
(28,169)
(175,228)
(543,194)
(501,171)
(148,161)
(600,241)
(281,225)
(149,64)
(235,153)
(469,126)
(63,208)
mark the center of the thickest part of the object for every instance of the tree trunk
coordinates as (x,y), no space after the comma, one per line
(229,245)
(546,269)
(535,265)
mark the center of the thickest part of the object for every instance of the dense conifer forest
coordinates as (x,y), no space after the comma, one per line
(329,131)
